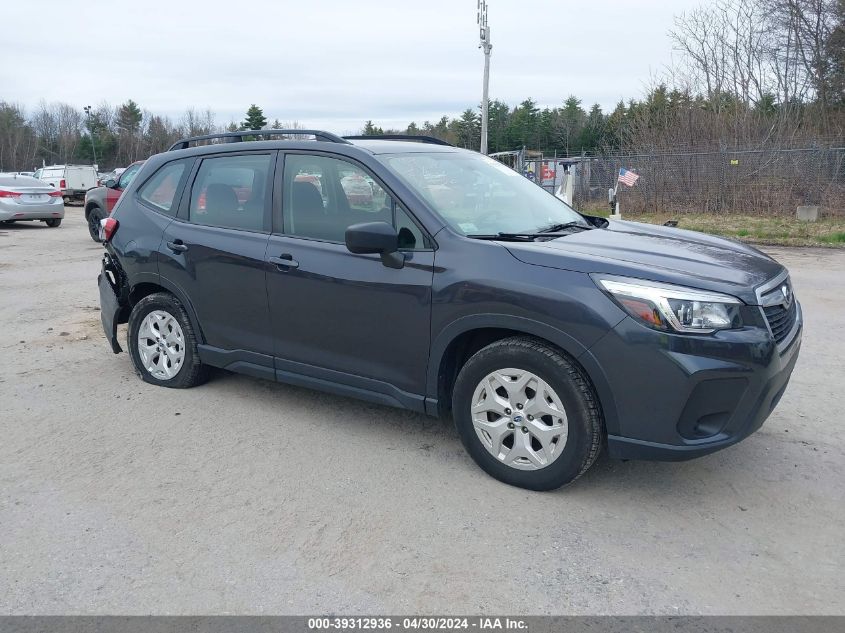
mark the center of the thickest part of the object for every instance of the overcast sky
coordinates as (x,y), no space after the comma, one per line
(330,63)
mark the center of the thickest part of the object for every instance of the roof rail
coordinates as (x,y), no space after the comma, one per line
(400,137)
(236,137)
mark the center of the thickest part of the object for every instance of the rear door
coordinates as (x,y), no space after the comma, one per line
(74,178)
(81,178)
(214,253)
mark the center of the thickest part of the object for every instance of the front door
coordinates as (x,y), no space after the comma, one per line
(214,252)
(341,317)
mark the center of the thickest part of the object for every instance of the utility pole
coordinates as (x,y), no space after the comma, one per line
(486,46)
(91,134)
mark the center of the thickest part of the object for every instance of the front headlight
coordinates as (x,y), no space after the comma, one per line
(673,308)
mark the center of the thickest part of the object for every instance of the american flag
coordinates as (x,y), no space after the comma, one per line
(627,177)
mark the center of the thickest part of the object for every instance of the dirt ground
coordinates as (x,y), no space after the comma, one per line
(244,496)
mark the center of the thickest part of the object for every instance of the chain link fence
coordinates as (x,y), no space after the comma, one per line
(748,182)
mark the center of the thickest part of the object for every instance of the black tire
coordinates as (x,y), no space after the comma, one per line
(53,222)
(94,216)
(585,424)
(192,372)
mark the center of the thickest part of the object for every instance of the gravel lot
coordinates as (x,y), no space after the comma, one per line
(243,496)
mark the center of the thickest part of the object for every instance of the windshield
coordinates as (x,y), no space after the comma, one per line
(477,195)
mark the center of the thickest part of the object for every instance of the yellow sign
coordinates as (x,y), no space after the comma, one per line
(734,161)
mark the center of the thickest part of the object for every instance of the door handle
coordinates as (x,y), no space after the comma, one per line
(177,246)
(284,261)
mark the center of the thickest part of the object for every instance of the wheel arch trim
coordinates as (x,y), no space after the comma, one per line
(166,285)
(440,345)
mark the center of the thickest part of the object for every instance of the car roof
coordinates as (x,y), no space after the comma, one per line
(403,147)
(373,147)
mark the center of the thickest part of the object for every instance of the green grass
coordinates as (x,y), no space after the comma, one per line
(835,238)
(777,231)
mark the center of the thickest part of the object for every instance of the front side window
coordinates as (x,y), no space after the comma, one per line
(477,195)
(160,190)
(229,191)
(323,196)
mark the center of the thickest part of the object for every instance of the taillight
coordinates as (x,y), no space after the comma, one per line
(55,194)
(62,184)
(108,227)
(9,194)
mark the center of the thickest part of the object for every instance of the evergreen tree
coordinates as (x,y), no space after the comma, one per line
(592,137)
(371,130)
(468,129)
(522,130)
(129,116)
(498,115)
(255,119)
(572,119)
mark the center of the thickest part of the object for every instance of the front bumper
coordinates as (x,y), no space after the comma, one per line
(672,397)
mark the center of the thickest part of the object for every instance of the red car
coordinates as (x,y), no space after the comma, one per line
(100,201)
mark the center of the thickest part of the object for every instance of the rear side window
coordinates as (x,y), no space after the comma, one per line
(160,190)
(229,191)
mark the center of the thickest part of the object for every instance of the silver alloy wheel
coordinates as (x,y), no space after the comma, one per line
(161,344)
(519,419)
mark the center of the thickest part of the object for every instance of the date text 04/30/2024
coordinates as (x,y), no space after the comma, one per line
(417,623)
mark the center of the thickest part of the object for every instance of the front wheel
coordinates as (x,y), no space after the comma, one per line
(162,343)
(527,414)
(94,216)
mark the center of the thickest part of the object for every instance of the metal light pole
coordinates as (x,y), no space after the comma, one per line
(91,134)
(486,46)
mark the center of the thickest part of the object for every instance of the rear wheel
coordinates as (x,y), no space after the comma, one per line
(53,222)
(162,343)
(94,216)
(527,414)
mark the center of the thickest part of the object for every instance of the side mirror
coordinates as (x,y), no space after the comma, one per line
(375,237)
(111,183)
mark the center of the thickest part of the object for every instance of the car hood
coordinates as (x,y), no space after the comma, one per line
(657,253)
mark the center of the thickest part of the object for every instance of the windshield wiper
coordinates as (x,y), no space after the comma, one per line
(554,228)
(516,237)
(512,237)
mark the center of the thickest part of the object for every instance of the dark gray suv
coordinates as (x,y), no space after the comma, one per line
(419,275)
